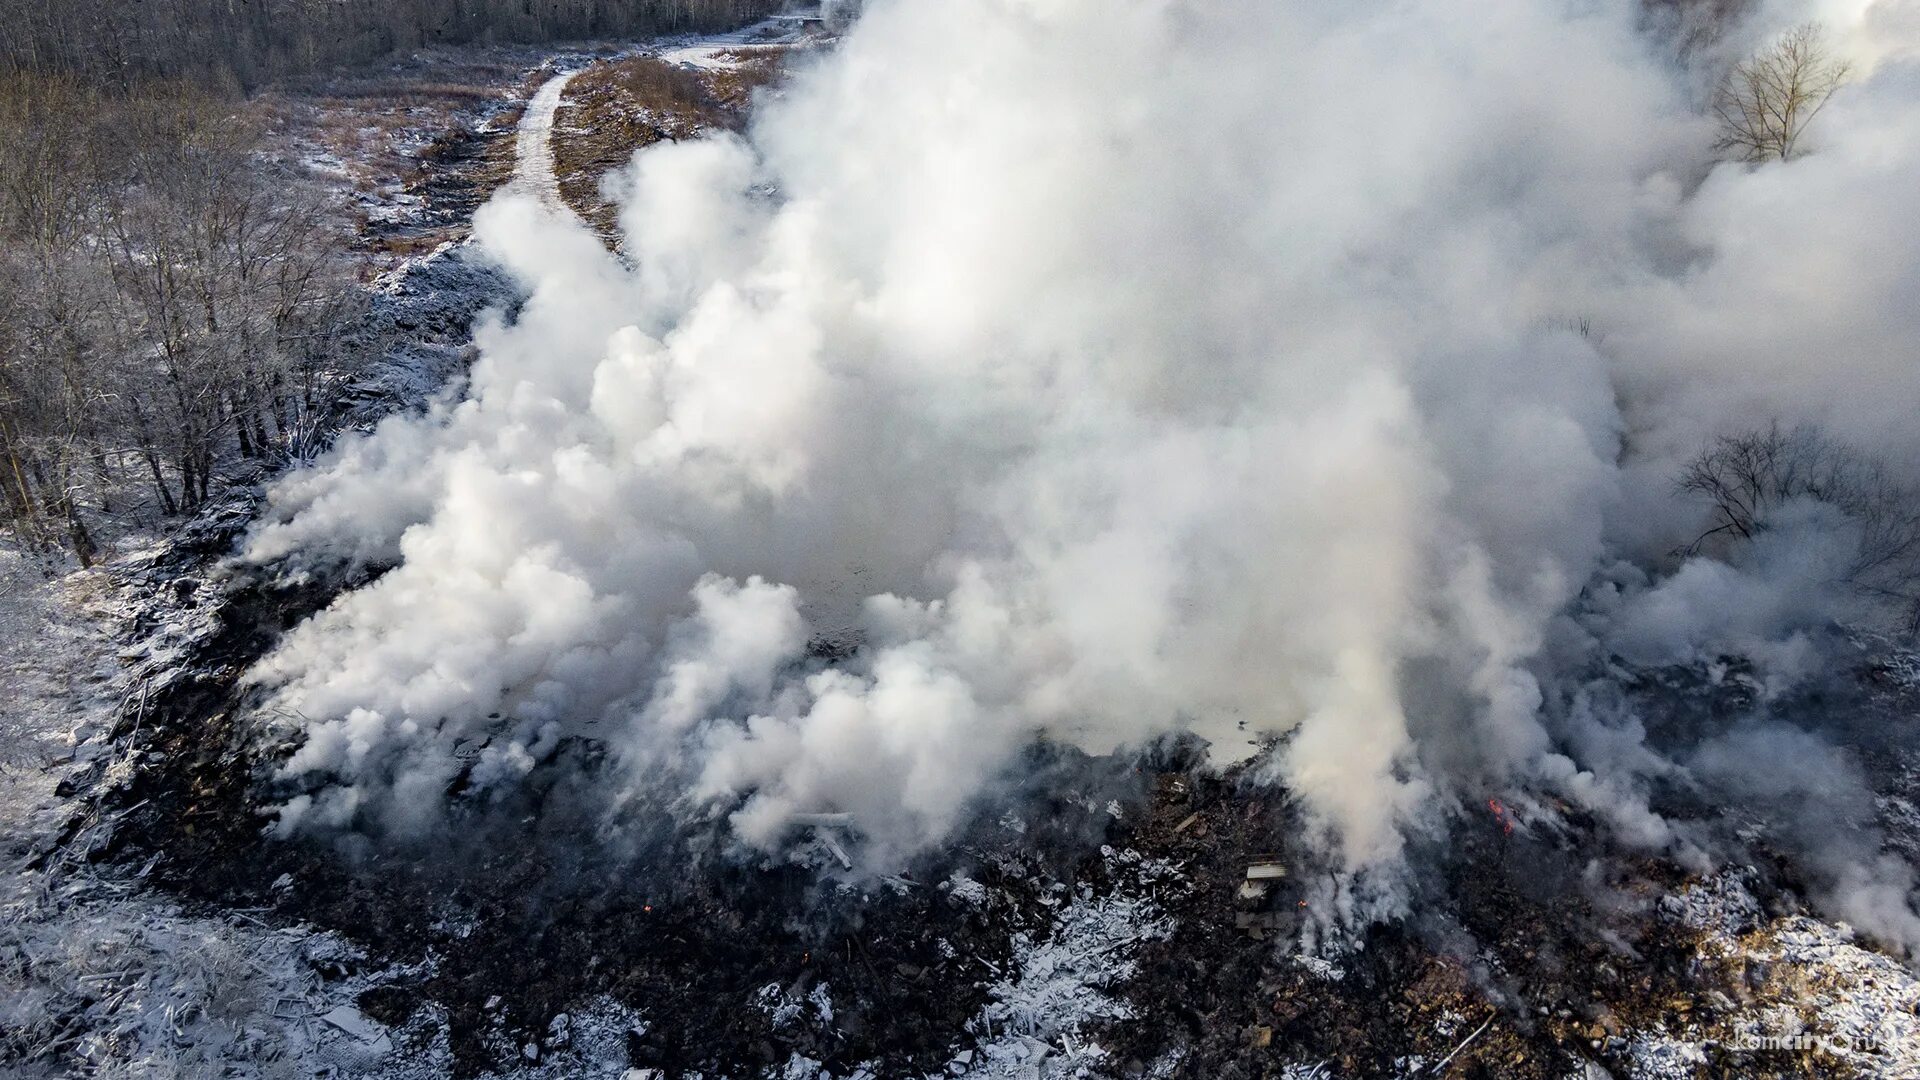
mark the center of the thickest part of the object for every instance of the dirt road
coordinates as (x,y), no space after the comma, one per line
(533,172)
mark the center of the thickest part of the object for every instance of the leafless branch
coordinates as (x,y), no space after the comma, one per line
(1765,102)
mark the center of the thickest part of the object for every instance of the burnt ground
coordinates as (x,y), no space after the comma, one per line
(1545,934)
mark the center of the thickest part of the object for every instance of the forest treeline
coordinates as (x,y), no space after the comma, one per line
(248,43)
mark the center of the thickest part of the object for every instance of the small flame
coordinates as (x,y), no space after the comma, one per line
(1500,814)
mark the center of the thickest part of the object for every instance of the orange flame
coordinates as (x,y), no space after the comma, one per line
(1500,813)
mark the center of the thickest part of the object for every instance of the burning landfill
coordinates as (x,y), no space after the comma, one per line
(1142,541)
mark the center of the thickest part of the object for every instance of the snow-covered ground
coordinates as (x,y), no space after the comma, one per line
(95,972)
(99,976)
(1069,978)
(1813,994)
(59,684)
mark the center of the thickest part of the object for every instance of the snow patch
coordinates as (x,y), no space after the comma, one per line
(1066,979)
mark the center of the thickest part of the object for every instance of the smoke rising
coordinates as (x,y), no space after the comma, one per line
(1051,368)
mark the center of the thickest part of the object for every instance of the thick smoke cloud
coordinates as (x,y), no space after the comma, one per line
(1094,371)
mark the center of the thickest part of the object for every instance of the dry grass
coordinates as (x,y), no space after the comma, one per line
(735,86)
(617,107)
(671,93)
(435,127)
(438,126)
(405,245)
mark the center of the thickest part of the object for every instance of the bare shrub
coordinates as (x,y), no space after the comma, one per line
(663,87)
(1748,478)
(1766,102)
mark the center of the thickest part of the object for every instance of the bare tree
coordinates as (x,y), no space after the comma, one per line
(1766,102)
(1748,478)
(172,300)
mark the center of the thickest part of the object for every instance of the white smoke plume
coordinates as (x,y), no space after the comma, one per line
(1097,371)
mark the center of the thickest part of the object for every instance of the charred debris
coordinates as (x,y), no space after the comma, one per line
(1532,946)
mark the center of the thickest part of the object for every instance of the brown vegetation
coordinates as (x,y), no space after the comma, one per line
(619,106)
(432,134)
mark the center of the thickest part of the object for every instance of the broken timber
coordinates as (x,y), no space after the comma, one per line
(823,826)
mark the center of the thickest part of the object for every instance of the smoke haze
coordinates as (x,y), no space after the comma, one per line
(1052,368)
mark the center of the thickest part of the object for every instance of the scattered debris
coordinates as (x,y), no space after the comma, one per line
(826,838)
(1441,1065)
(348,1019)
(823,821)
